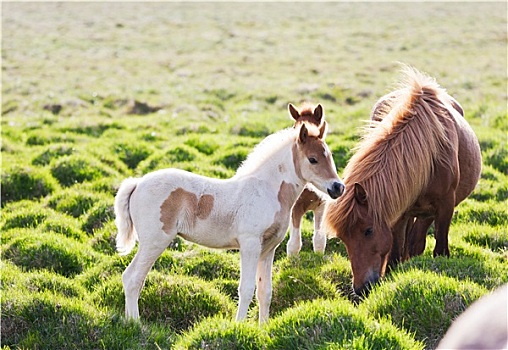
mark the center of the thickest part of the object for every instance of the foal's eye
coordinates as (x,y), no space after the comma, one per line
(312,160)
(368,232)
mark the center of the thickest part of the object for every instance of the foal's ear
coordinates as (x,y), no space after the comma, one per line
(318,114)
(293,111)
(360,194)
(322,130)
(304,133)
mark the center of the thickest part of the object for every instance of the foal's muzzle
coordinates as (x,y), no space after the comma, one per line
(337,190)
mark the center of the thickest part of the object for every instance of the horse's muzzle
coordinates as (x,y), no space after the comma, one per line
(364,290)
(337,190)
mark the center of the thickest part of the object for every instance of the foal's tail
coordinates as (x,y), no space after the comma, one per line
(127,236)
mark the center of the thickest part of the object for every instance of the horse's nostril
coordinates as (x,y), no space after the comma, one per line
(336,190)
(341,188)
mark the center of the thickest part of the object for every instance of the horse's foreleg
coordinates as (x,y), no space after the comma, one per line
(399,240)
(264,285)
(250,250)
(134,276)
(319,237)
(418,235)
(442,226)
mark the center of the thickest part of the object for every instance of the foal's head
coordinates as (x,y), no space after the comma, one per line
(307,113)
(313,160)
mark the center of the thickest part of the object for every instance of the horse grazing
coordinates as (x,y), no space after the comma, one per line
(419,158)
(249,211)
(311,199)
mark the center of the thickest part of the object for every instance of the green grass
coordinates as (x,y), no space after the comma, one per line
(93,93)
(421,302)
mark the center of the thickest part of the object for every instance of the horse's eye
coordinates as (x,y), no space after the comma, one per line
(312,160)
(368,232)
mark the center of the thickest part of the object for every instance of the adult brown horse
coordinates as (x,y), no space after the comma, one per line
(419,159)
(313,200)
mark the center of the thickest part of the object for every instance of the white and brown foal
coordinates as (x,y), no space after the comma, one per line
(249,212)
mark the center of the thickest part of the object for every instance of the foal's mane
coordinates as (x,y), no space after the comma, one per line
(269,148)
(397,154)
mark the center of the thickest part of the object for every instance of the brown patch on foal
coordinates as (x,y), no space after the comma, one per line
(285,197)
(205,206)
(181,199)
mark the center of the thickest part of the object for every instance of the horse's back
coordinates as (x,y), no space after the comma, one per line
(469,156)
(469,153)
(172,193)
(207,211)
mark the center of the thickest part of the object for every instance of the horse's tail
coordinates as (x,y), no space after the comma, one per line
(127,236)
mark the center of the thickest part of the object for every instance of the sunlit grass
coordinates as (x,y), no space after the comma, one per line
(97,92)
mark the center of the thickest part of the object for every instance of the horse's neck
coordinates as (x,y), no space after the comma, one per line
(276,169)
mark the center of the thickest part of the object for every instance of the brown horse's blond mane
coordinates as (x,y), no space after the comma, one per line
(396,156)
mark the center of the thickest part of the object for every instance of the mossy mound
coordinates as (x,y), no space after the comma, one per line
(174,300)
(204,144)
(73,169)
(14,280)
(222,333)
(132,153)
(300,279)
(31,320)
(75,201)
(26,183)
(323,324)
(464,265)
(52,152)
(48,250)
(24,214)
(101,213)
(210,265)
(423,303)
(168,158)
(338,272)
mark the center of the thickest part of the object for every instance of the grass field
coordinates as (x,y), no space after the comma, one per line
(93,93)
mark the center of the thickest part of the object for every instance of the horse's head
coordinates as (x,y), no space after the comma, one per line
(306,113)
(368,241)
(313,160)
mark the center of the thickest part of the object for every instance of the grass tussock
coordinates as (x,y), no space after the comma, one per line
(422,302)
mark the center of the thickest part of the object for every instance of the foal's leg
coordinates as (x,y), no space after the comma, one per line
(319,237)
(250,249)
(264,285)
(308,200)
(134,276)
(295,236)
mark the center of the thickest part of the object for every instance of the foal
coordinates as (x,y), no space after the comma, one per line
(310,199)
(249,211)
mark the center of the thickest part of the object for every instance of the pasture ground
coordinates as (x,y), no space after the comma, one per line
(95,92)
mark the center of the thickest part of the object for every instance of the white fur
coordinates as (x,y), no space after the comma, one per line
(245,207)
